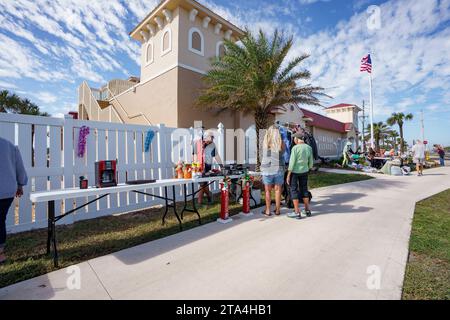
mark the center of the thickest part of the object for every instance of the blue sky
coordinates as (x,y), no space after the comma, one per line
(47,48)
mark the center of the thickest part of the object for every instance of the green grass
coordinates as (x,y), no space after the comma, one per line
(321,179)
(427,274)
(89,239)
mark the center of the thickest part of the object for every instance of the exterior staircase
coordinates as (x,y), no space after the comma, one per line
(90,107)
(103,105)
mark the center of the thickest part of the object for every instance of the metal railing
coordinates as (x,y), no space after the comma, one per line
(88,100)
(89,97)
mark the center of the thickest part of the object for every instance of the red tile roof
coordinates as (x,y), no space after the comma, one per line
(348,126)
(321,121)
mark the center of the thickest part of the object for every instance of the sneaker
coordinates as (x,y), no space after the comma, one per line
(308,213)
(294,215)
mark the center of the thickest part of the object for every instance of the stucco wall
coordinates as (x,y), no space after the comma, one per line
(157,99)
(294,115)
(328,142)
(161,63)
(210,39)
(189,86)
(346,115)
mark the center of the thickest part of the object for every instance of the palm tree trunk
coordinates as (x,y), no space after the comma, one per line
(377,142)
(261,123)
(401,138)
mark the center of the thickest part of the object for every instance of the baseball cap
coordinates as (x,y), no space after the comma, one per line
(299,135)
(209,134)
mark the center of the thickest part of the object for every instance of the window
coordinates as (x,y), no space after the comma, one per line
(166,42)
(220,49)
(196,42)
(149,53)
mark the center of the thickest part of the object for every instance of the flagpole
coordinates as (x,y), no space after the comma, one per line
(372,140)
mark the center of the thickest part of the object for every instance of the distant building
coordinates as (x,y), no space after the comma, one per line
(331,131)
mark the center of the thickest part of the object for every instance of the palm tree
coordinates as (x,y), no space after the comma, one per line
(380,130)
(399,118)
(393,135)
(12,103)
(8,101)
(254,77)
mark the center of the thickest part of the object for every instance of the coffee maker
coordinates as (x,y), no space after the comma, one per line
(106,173)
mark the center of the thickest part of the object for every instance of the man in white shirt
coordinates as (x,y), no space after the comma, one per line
(419,156)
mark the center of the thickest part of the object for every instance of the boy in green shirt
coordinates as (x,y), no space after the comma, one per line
(300,163)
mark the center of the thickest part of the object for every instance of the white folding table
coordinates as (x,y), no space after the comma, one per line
(170,202)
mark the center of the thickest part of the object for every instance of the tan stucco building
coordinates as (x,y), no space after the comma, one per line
(178,40)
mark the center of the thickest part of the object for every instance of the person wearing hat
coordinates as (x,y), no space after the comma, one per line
(300,163)
(206,156)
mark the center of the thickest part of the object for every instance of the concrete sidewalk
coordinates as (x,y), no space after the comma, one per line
(357,230)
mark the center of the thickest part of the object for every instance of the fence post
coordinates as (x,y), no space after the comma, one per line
(68,163)
(221,140)
(163,159)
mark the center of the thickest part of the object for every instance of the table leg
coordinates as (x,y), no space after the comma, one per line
(194,206)
(185,201)
(175,207)
(241,192)
(52,232)
(49,228)
(167,206)
(55,248)
(251,196)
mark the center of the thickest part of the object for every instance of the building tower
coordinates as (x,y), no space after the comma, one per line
(178,40)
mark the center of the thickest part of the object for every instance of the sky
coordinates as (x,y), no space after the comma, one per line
(47,48)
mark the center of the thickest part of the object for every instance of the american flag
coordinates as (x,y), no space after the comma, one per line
(366,64)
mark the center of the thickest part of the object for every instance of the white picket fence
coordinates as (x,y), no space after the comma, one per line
(49,150)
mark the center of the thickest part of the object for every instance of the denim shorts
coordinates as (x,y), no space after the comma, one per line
(273,179)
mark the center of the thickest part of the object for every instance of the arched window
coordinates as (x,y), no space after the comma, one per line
(166,42)
(220,49)
(196,42)
(149,53)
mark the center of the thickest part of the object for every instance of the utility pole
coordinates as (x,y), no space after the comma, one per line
(422,125)
(363,117)
(423,130)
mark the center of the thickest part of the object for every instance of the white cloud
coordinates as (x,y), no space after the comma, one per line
(312,1)
(140,8)
(46,97)
(81,38)
(74,40)
(409,51)
(7,85)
